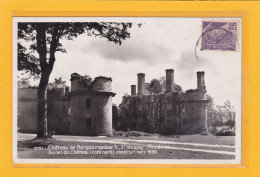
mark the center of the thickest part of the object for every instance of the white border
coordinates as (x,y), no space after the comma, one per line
(15,160)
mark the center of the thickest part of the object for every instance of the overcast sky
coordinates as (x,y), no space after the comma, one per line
(161,43)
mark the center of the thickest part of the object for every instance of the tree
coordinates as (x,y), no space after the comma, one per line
(84,80)
(162,80)
(24,83)
(221,115)
(212,114)
(124,106)
(230,114)
(154,87)
(116,112)
(44,41)
(58,83)
(157,86)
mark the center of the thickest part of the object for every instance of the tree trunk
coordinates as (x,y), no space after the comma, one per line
(46,69)
(42,131)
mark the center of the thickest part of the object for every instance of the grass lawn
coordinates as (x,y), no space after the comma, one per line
(88,147)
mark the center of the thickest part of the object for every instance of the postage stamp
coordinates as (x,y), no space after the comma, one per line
(219,36)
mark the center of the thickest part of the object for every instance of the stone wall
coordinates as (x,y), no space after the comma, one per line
(81,115)
(172,112)
(193,95)
(27,110)
(58,106)
(27,116)
(86,110)
(27,93)
(194,117)
(103,114)
(58,111)
(91,106)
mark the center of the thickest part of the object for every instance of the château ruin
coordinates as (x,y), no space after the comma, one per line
(172,112)
(86,109)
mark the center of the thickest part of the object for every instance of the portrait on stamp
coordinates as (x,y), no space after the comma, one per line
(219,36)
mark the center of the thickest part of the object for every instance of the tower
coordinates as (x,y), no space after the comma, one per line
(141,83)
(91,106)
(169,80)
(200,81)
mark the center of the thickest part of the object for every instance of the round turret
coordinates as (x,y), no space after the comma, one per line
(75,78)
(102,84)
(79,83)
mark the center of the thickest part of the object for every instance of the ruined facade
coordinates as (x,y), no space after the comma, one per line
(27,110)
(91,106)
(85,110)
(172,112)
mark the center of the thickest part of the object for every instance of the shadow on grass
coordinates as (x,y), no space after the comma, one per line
(36,142)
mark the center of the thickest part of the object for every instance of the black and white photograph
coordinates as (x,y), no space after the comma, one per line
(126,90)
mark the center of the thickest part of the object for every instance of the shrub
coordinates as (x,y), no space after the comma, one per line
(226,133)
(130,133)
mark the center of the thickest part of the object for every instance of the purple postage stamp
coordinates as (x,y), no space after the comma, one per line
(219,36)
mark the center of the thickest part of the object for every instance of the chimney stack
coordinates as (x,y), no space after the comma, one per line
(169,80)
(200,81)
(133,90)
(67,90)
(141,83)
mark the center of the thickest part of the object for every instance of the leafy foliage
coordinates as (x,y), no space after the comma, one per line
(158,86)
(27,62)
(85,81)
(44,38)
(221,115)
(126,101)
(230,113)
(154,87)
(116,112)
(24,83)
(58,83)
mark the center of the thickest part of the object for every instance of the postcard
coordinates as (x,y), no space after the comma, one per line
(126,90)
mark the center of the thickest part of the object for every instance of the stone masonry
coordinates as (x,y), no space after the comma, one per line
(85,110)
(172,112)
